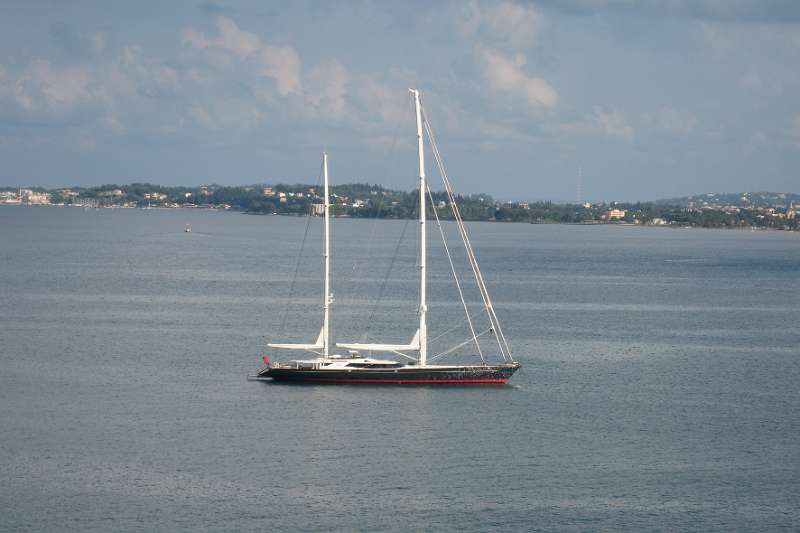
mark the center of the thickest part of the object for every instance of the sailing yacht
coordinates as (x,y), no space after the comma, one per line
(354,368)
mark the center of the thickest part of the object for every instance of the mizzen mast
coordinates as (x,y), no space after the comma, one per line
(323,340)
(326,253)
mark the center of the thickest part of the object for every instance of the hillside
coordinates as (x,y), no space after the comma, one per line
(742,200)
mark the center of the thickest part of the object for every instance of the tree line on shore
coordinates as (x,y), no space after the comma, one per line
(370,201)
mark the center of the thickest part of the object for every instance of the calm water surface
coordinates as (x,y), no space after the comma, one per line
(659,387)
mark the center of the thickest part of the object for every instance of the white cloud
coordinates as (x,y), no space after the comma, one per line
(672,121)
(512,24)
(203,117)
(165,76)
(383,109)
(145,74)
(235,113)
(449,111)
(381,105)
(496,130)
(503,30)
(327,91)
(228,114)
(607,123)
(505,75)
(230,38)
(495,134)
(613,124)
(328,88)
(282,64)
(43,86)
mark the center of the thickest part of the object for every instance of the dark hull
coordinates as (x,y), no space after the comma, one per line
(496,374)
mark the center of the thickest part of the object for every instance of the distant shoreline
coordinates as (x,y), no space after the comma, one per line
(229,209)
(363,200)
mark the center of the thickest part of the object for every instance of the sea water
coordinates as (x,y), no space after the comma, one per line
(658,388)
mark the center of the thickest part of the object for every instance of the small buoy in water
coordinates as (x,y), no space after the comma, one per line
(188,229)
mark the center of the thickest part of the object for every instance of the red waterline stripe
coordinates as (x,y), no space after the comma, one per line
(350,380)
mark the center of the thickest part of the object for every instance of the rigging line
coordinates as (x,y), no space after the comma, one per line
(455,276)
(385,280)
(495,321)
(479,275)
(357,259)
(297,263)
(462,230)
(404,355)
(485,293)
(393,155)
(453,328)
(457,346)
(501,341)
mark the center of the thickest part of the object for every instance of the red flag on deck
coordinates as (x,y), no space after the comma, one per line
(265,358)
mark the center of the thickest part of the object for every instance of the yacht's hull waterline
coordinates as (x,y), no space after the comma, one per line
(408,374)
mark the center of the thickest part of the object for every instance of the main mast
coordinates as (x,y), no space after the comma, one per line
(326,253)
(423,304)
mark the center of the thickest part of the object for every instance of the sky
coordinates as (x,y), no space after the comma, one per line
(637,100)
